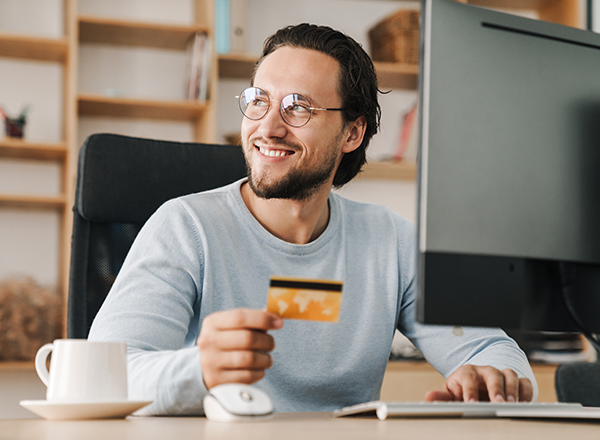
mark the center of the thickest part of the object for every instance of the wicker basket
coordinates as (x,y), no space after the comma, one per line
(396,38)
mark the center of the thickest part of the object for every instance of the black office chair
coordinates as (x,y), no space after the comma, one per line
(121,181)
(578,382)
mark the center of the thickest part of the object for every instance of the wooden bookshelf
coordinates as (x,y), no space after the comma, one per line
(389,170)
(62,51)
(397,76)
(236,66)
(17,366)
(32,201)
(134,33)
(99,105)
(33,48)
(33,150)
(391,75)
(565,12)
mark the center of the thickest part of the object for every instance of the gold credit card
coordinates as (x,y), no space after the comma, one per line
(300,298)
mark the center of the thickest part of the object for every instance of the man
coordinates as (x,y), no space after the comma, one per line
(190,298)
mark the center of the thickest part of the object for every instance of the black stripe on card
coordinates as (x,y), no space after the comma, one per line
(307,285)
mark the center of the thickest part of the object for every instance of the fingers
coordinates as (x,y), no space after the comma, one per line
(472,383)
(244,318)
(247,377)
(525,390)
(511,385)
(494,388)
(463,385)
(244,339)
(246,361)
(234,346)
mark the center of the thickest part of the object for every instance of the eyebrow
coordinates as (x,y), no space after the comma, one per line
(312,100)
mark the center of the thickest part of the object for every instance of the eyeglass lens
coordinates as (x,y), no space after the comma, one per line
(294,108)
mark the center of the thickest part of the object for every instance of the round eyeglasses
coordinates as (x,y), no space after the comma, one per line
(295,109)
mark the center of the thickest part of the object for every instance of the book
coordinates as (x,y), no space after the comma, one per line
(407,145)
(222,26)
(194,51)
(205,67)
(199,55)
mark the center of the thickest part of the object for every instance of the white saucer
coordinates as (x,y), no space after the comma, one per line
(74,411)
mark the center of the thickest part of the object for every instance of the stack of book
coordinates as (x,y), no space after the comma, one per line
(199,56)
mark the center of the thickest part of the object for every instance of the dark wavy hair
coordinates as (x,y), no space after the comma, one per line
(357,83)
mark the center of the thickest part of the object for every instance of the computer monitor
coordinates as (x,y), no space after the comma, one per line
(509,172)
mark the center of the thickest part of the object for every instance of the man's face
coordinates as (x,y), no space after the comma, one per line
(287,162)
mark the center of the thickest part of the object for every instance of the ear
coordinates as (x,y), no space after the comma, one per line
(355,135)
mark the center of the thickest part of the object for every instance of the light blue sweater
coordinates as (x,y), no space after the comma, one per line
(205,252)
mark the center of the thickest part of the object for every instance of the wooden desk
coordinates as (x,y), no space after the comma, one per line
(313,426)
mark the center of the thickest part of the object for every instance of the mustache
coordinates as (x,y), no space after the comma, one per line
(279,143)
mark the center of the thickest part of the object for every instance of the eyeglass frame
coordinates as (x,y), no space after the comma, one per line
(281,109)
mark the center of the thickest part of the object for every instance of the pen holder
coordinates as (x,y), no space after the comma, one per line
(14,127)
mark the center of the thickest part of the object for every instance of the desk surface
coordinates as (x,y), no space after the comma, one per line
(291,426)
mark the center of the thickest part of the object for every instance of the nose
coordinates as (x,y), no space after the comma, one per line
(272,125)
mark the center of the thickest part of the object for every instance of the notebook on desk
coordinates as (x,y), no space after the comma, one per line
(384,410)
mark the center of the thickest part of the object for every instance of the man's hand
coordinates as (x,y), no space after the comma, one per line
(234,346)
(471,383)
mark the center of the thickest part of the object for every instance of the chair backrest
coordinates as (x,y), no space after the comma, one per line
(121,181)
(578,382)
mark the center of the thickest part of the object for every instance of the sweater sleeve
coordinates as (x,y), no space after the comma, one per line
(447,348)
(153,306)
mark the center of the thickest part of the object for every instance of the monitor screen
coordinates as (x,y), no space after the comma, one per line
(509,171)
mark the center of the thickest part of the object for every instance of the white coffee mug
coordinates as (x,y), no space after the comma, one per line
(84,371)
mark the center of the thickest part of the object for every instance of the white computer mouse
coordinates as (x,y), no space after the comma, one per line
(236,402)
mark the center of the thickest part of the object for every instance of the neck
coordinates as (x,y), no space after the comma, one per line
(294,221)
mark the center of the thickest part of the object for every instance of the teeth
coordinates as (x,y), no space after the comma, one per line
(273,153)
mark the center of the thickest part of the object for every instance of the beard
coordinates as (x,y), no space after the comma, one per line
(300,183)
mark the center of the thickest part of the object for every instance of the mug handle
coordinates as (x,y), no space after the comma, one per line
(40,363)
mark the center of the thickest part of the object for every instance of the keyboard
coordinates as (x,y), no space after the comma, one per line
(383,410)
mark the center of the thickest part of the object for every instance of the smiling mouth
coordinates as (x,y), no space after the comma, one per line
(274,152)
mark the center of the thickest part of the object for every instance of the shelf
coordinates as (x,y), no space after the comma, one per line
(397,76)
(32,150)
(133,33)
(565,12)
(99,105)
(236,66)
(32,202)
(16,366)
(33,48)
(522,5)
(389,170)
(392,75)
